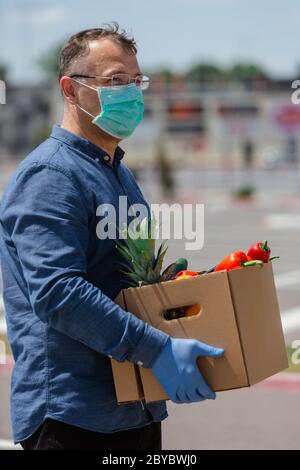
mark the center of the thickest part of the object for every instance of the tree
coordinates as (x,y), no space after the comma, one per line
(49,61)
(204,71)
(246,71)
(3,72)
(164,74)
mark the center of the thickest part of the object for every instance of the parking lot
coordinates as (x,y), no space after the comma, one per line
(264,416)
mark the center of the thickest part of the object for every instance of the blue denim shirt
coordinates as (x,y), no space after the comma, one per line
(59,280)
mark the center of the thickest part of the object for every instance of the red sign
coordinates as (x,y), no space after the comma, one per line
(182,111)
(288,117)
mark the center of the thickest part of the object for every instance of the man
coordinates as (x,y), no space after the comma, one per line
(60,278)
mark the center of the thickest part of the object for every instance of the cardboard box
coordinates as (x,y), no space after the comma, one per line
(239,312)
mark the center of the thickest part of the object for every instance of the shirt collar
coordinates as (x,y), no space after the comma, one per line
(87,147)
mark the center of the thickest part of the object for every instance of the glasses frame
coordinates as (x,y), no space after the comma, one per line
(144,85)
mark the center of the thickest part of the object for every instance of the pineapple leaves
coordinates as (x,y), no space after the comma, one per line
(137,247)
(160,258)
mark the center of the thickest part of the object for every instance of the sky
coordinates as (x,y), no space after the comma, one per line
(169,33)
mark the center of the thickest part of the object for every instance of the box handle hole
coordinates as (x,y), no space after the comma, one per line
(180,312)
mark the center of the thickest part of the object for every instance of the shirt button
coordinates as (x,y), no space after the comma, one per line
(107,158)
(97,160)
(140,363)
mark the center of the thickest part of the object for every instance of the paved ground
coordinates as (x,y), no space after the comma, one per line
(4,407)
(263,416)
(242,419)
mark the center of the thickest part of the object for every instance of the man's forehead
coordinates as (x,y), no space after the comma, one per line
(109,57)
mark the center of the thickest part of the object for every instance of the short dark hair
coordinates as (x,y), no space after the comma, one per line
(78,44)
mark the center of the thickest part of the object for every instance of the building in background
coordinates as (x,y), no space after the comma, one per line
(24,119)
(222,125)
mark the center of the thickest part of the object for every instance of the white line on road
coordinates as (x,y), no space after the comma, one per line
(6,444)
(291,320)
(283,221)
(287,279)
(3,329)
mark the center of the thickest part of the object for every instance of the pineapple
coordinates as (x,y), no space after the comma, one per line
(137,248)
(142,265)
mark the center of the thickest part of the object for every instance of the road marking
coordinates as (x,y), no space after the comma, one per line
(6,444)
(283,221)
(1,304)
(291,320)
(3,329)
(287,279)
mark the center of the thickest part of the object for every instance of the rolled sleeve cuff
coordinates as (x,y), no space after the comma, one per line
(149,347)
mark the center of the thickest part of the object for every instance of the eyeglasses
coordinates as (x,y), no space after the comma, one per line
(119,79)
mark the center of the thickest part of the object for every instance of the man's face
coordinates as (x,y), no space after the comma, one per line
(104,59)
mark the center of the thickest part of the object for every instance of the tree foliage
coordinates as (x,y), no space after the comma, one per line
(3,72)
(49,61)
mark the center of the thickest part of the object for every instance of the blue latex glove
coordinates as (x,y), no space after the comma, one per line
(177,371)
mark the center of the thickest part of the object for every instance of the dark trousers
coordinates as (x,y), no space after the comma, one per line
(54,435)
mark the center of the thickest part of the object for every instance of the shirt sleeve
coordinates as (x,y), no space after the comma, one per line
(48,224)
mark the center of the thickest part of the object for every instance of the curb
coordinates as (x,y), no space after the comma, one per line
(287,381)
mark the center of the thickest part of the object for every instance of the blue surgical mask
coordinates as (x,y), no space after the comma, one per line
(122,109)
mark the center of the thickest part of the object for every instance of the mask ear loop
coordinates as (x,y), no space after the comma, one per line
(87,86)
(85,111)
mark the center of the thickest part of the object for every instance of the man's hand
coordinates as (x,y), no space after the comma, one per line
(177,371)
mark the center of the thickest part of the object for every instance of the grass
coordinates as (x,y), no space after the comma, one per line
(244,192)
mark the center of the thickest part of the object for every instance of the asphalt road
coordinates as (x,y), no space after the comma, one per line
(255,418)
(245,419)
(259,417)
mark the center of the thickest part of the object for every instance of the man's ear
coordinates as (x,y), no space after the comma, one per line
(67,87)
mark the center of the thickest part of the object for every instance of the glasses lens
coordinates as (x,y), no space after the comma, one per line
(143,82)
(124,79)
(120,79)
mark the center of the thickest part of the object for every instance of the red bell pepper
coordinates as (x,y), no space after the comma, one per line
(236,260)
(261,251)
